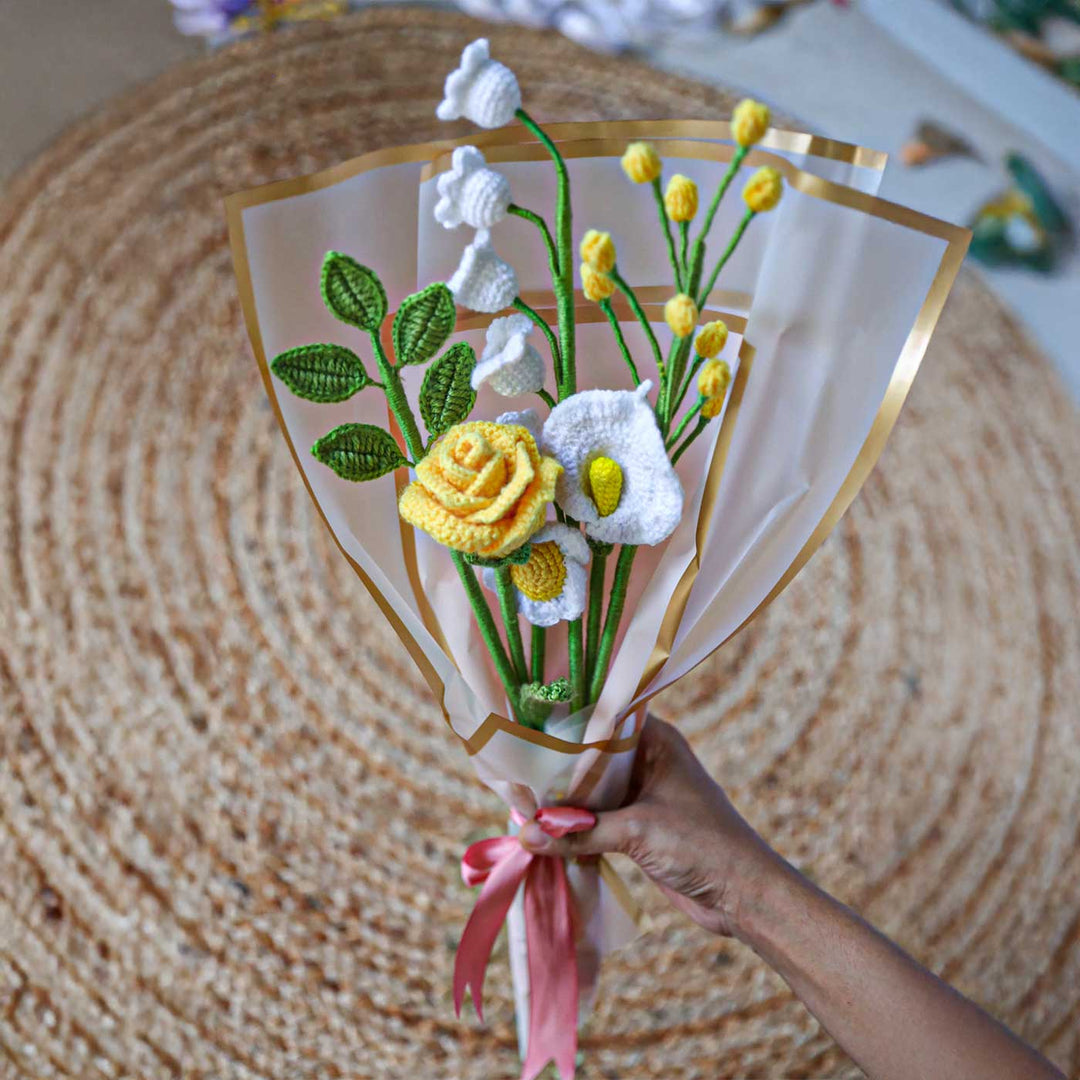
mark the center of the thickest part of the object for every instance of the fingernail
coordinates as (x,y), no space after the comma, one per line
(533,837)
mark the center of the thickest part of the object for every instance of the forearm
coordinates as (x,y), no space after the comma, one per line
(894,1018)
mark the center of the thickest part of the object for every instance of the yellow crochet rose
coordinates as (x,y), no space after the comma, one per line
(483,489)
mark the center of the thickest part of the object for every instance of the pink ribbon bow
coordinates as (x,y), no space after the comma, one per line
(501,864)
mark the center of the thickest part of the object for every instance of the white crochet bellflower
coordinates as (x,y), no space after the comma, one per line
(471,193)
(529,419)
(570,603)
(483,281)
(620,425)
(509,363)
(480,89)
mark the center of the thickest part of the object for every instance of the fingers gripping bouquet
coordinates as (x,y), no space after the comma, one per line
(561,560)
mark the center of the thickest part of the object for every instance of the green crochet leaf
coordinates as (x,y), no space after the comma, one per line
(321,372)
(446,394)
(423,323)
(359,452)
(353,293)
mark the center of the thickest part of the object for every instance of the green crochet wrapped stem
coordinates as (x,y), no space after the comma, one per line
(733,243)
(539,650)
(575,641)
(609,311)
(665,224)
(623,566)
(396,399)
(553,343)
(596,611)
(642,318)
(689,415)
(702,424)
(488,630)
(504,587)
(564,241)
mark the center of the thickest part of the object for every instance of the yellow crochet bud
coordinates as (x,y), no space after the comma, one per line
(543,576)
(749,122)
(641,163)
(763,191)
(605,484)
(712,339)
(712,407)
(714,379)
(598,250)
(595,285)
(680,199)
(682,314)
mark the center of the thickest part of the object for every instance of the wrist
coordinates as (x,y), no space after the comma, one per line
(765,889)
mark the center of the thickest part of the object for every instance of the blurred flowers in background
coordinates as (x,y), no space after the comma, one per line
(606,25)
(223,20)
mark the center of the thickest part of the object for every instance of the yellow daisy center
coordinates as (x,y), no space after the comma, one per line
(605,484)
(542,577)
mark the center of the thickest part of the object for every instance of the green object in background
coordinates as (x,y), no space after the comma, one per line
(1025,226)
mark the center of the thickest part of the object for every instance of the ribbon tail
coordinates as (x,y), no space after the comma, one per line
(478,938)
(553,974)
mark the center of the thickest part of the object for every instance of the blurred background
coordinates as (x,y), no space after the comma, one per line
(949,88)
(231,818)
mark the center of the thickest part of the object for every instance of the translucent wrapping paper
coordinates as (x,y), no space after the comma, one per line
(830,299)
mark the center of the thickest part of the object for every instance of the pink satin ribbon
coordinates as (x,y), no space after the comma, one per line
(500,865)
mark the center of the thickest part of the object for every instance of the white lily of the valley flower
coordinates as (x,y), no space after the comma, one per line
(480,89)
(619,426)
(529,419)
(483,281)
(551,587)
(471,193)
(509,363)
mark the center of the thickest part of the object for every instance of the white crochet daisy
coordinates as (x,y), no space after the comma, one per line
(551,587)
(480,89)
(471,193)
(616,477)
(483,281)
(529,419)
(509,363)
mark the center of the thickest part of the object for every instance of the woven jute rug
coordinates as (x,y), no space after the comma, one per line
(231,816)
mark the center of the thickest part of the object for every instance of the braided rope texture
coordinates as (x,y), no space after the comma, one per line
(230,815)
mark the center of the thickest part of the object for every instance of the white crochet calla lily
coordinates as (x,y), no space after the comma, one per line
(509,363)
(471,193)
(529,419)
(551,587)
(480,89)
(620,427)
(483,281)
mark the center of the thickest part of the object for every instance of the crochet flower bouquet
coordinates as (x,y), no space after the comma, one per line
(568,470)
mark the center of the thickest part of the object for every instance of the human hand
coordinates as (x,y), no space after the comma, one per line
(680,828)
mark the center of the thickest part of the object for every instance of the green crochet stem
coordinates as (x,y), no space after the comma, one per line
(611,623)
(396,399)
(539,651)
(702,424)
(609,311)
(691,371)
(488,630)
(684,245)
(733,243)
(504,587)
(642,318)
(718,196)
(547,399)
(575,642)
(665,224)
(596,610)
(564,241)
(553,343)
(549,240)
(689,415)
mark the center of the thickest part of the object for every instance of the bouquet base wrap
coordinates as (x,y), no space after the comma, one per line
(830,301)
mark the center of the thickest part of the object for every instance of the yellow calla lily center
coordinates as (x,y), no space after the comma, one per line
(543,576)
(605,484)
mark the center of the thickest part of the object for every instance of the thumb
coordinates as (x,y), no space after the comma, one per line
(617,830)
